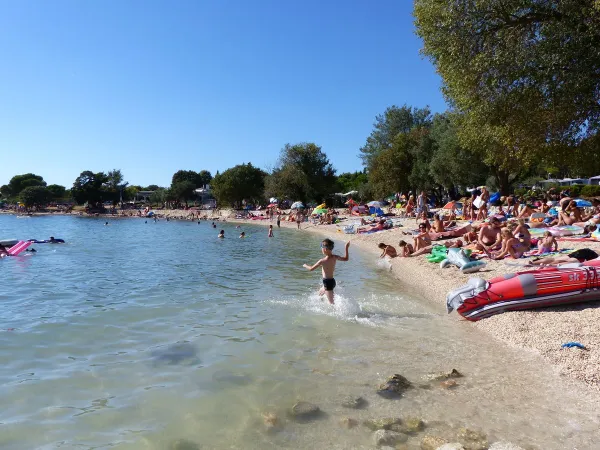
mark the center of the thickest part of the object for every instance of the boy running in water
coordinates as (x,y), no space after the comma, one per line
(328,267)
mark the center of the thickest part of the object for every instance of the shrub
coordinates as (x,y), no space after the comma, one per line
(591,190)
(575,189)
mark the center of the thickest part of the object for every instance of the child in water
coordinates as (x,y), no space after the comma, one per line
(328,267)
(270,230)
(221,234)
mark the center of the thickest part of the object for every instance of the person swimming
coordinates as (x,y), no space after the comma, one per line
(243,235)
(221,234)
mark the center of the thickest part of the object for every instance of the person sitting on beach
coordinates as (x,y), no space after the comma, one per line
(570,215)
(547,244)
(423,239)
(438,225)
(221,234)
(488,238)
(527,209)
(387,250)
(423,220)
(406,249)
(578,256)
(522,233)
(327,265)
(510,246)
(594,216)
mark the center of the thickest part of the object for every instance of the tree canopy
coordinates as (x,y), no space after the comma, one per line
(57,192)
(35,196)
(523,74)
(242,182)
(89,187)
(20,182)
(199,179)
(303,173)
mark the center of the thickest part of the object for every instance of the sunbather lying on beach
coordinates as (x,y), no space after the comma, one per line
(578,256)
(387,250)
(448,244)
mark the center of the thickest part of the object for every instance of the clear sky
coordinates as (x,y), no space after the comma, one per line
(151,87)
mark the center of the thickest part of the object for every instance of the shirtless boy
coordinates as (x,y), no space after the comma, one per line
(327,264)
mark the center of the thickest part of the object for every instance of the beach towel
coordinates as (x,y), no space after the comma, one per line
(18,248)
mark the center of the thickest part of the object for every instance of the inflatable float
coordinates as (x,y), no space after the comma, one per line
(558,231)
(551,286)
(47,241)
(9,242)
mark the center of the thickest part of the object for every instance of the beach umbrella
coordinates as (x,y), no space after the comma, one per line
(581,203)
(449,205)
(297,205)
(319,211)
(351,202)
(321,206)
(374,204)
(273,200)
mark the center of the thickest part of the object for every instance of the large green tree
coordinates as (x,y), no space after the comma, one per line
(182,191)
(89,187)
(303,173)
(57,192)
(242,182)
(20,182)
(35,196)
(522,73)
(352,181)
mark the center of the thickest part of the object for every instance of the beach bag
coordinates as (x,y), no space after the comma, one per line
(478,202)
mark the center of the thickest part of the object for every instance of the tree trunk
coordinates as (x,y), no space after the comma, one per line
(503,181)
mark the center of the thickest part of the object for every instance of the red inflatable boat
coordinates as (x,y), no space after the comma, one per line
(552,286)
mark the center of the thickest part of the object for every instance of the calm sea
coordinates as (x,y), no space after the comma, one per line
(159,335)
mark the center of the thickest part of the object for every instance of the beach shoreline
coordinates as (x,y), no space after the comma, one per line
(541,331)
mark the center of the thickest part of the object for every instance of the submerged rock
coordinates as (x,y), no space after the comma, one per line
(305,411)
(180,353)
(432,442)
(348,422)
(410,425)
(440,376)
(448,384)
(451,446)
(389,438)
(472,440)
(271,421)
(384,423)
(354,402)
(503,445)
(183,444)
(394,386)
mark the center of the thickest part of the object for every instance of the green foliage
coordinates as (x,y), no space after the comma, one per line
(303,173)
(57,192)
(159,196)
(575,189)
(522,75)
(242,182)
(205,177)
(199,179)
(20,182)
(89,187)
(130,191)
(35,196)
(590,190)
(183,190)
(152,187)
(349,181)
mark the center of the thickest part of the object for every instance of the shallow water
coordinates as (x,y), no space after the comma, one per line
(135,335)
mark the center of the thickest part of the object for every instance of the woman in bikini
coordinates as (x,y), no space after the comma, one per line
(423,239)
(570,215)
(511,246)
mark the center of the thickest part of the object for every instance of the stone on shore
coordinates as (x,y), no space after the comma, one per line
(432,442)
(303,411)
(448,384)
(394,386)
(382,424)
(451,446)
(354,402)
(388,438)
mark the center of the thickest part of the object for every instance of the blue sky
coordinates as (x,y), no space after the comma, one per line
(151,87)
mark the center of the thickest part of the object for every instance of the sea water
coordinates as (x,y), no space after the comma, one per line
(144,335)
